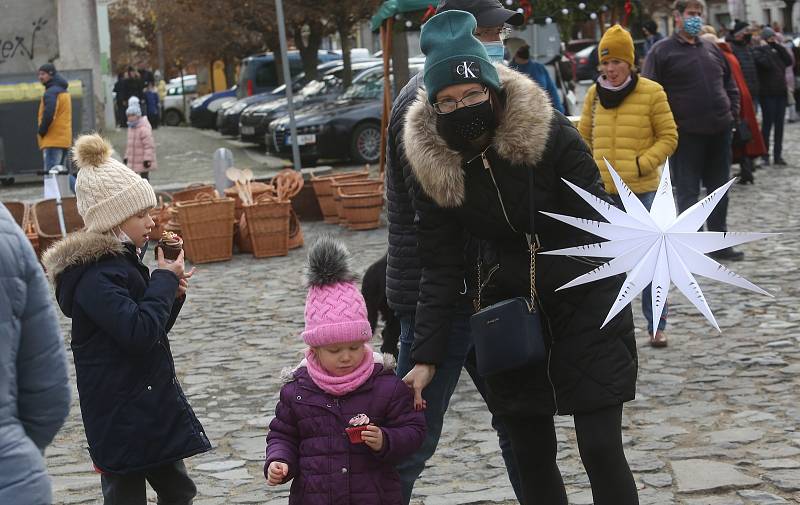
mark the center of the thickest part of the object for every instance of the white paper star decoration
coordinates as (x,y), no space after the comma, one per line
(655,247)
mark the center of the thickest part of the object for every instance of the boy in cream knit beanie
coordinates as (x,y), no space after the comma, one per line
(139,425)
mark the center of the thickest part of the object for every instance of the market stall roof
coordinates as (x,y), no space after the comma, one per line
(391,7)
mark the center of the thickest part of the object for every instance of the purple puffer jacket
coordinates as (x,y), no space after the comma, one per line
(308,434)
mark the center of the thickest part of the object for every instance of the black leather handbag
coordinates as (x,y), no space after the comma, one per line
(742,134)
(509,334)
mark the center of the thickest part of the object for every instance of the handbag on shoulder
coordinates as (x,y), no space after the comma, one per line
(509,334)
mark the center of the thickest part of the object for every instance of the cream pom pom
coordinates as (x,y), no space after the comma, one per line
(91,150)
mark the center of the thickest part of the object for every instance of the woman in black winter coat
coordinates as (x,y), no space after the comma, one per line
(473,142)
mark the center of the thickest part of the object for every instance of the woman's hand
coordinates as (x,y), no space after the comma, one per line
(373,437)
(276,472)
(418,379)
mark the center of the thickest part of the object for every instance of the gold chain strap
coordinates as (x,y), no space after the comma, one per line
(477,301)
(533,248)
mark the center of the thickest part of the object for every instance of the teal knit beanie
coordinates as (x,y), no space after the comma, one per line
(452,53)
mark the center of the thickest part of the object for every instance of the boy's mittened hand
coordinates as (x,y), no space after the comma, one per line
(276,472)
(146,164)
(373,437)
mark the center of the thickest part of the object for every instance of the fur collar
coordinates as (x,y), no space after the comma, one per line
(387,360)
(521,137)
(79,248)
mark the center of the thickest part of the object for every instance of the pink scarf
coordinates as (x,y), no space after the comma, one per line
(340,386)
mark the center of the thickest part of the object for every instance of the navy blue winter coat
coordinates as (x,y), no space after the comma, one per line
(135,413)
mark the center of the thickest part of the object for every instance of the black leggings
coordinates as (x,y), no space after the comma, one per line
(599,433)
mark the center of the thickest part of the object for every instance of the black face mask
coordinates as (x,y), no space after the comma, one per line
(524,53)
(465,124)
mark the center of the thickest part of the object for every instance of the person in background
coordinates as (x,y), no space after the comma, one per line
(747,142)
(522,62)
(626,119)
(152,105)
(34,384)
(771,61)
(161,86)
(55,117)
(704,101)
(140,152)
(791,104)
(652,35)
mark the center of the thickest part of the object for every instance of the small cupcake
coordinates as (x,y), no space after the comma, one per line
(358,424)
(171,244)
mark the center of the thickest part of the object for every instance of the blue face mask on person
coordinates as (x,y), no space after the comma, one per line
(692,25)
(495,50)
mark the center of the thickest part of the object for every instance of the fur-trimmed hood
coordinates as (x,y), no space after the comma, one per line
(388,362)
(80,248)
(521,138)
(68,259)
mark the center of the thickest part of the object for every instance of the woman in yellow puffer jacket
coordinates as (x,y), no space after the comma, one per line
(627,120)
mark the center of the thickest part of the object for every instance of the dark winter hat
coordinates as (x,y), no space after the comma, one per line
(453,55)
(486,12)
(739,27)
(767,32)
(49,68)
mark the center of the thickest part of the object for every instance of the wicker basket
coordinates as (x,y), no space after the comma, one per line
(268,227)
(18,211)
(207,226)
(362,211)
(45,220)
(192,191)
(295,231)
(258,189)
(351,187)
(322,188)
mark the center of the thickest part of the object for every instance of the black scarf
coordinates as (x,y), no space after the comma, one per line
(611,99)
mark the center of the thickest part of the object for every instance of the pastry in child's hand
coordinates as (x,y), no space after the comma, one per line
(358,424)
(171,244)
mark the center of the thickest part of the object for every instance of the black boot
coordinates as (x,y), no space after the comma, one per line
(746,171)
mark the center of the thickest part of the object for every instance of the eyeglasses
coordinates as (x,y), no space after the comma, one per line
(501,32)
(471,99)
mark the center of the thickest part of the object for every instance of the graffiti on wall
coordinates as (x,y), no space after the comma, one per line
(28,35)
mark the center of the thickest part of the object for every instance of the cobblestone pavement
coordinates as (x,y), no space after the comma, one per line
(715,421)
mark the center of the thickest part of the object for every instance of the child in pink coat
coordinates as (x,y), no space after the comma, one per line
(140,153)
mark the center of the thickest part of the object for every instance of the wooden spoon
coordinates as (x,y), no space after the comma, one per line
(248,177)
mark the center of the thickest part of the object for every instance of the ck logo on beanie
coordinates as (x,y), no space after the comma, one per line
(465,70)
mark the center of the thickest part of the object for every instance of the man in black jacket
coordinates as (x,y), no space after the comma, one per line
(403,268)
(705,103)
(771,60)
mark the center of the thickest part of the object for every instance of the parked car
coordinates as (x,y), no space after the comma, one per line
(203,111)
(176,109)
(229,123)
(586,63)
(348,127)
(254,120)
(259,74)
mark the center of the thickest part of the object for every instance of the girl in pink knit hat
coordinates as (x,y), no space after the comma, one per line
(344,420)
